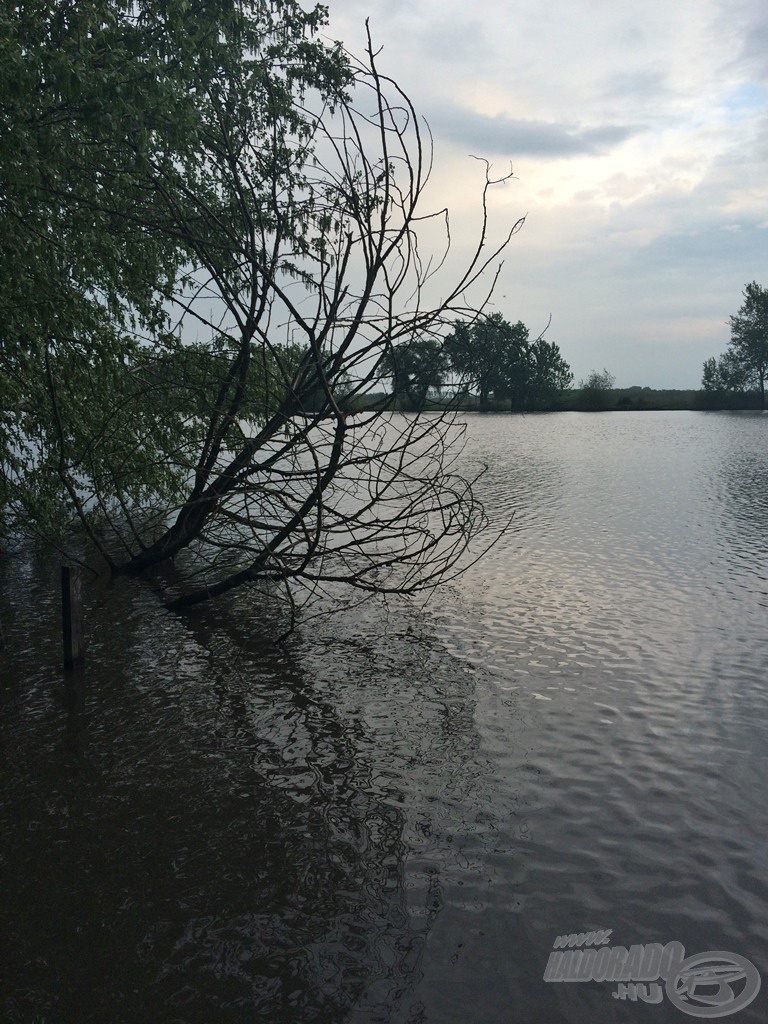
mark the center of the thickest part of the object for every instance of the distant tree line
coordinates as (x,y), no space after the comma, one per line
(491,358)
(490,363)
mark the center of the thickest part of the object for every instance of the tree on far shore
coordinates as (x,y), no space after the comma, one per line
(416,367)
(744,366)
(550,376)
(481,353)
(497,360)
(595,390)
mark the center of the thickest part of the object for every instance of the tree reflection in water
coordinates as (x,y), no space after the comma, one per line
(203,827)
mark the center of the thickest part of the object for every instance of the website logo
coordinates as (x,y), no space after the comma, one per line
(713,984)
(707,985)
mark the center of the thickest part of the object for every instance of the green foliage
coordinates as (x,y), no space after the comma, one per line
(123,129)
(749,340)
(726,373)
(596,389)
(498,360)
(711,379)
(483,352)
(743,368)
(416,367)
(550,376)
(638,398)
(208,216)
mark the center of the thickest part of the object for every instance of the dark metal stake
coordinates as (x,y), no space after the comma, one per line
(72,617)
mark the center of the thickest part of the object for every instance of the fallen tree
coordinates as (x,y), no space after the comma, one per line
(191,397)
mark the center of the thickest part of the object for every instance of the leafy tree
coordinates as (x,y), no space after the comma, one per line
(550,375)
(744,366)
(416,368)
(711,380)
(221,251)
(111,172)
(517,371)
(749,339)
(483,352)
(497,358)
(595,390)
(727,373)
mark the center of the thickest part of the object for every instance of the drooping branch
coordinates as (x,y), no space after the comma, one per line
(268,451)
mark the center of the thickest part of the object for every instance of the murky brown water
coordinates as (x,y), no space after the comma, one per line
(391,818)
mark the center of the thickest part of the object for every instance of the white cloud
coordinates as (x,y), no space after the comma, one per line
(639,139)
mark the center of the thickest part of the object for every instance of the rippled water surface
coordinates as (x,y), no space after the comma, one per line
(392,816)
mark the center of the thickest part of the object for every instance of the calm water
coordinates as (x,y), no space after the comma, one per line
(391,818)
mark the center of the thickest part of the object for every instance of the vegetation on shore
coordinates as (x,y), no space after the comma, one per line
(632,399)
(213,240)
(491,365)
(740,373)
(210,256)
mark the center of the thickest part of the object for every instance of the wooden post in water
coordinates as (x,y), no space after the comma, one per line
(72,617)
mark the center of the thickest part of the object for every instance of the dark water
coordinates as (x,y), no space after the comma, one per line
(391,817)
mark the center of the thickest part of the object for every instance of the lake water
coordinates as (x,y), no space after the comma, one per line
(391,817)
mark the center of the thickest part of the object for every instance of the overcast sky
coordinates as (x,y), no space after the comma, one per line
(638,135)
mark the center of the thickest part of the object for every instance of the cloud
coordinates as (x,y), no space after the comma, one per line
(514,137)
(643,85)
(639,140)
(456,41)
(746,22)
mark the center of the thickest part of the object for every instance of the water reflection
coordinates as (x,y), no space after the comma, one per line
(227,822)
(389,818)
